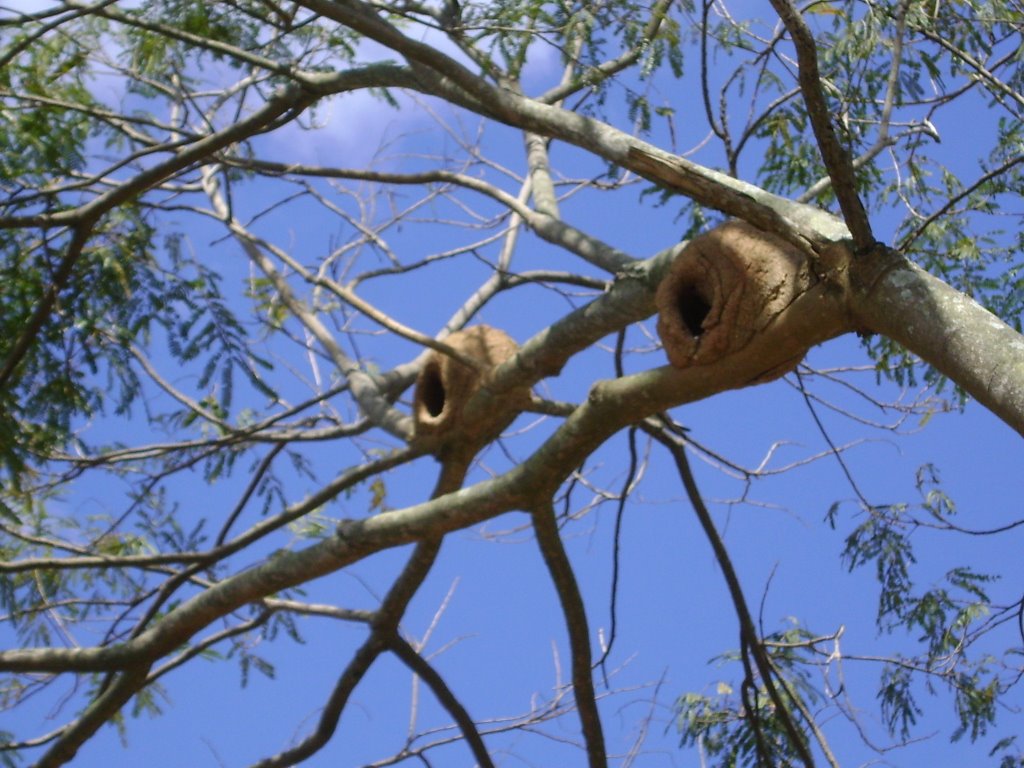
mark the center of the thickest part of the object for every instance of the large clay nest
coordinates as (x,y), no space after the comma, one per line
(723,289)
(445,384)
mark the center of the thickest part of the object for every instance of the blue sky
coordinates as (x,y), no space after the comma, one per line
(499,639)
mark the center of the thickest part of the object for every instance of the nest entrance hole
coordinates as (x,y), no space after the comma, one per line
(693,309)
(432,392)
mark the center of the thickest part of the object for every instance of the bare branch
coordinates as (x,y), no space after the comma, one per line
(444,694)
(383,628)
(560,569)
(837,159)
(749,635)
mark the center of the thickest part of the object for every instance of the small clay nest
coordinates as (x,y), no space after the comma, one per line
(723,289)
(445,384)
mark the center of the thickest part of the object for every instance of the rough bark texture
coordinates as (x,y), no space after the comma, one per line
(962,339)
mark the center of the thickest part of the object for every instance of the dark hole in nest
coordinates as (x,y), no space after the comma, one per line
(692,309)
(432,391)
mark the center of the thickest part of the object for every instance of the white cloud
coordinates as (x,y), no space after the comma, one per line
(347,130)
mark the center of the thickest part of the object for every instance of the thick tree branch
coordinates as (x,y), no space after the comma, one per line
(383,628)
(127,684)
(814,316)
(949,330)
(442,76)
(165,173)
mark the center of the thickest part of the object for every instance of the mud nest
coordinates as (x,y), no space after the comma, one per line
(445,384)
(723,289)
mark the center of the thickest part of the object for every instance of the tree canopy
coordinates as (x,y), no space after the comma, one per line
(316,315)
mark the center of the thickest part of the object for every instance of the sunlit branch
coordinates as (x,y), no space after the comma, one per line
(318,609)
(158,598)
(546,226)
(544,198)
(346,295)
(177,549)
(893,82)
(38,741)
(612,405)
(442,76)
(99,562)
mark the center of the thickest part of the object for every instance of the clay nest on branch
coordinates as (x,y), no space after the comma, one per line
(723,290)
(445,385)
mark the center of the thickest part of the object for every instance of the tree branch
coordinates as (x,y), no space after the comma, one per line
(748,630)
(546,528)
(547,226)
(383,628)
(836,158)
(64,749)
(363,388)
(429,675)
(440,75)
